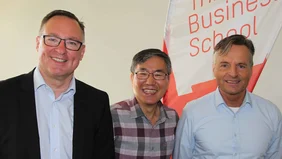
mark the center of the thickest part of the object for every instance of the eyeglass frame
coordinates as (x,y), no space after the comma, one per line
(81,43)
(148,74)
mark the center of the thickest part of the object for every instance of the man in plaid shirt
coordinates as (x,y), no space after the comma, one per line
(144,128)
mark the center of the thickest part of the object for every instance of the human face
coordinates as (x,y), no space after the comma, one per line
(58,62)
(233,71)
(149,91)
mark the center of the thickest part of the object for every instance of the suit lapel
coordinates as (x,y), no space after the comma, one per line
(79,122)
(27,117)
(28,120)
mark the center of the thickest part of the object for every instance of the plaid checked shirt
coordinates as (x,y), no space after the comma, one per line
(136,138)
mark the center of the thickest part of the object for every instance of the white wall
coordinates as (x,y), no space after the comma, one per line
(115,31)
(269,84)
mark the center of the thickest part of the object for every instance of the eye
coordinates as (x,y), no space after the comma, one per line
(158,74)
(53,39)
(242,66)
(142,73)
(223,65)
(72,43)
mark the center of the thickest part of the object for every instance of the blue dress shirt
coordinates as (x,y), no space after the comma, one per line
(54,118)
(209,129)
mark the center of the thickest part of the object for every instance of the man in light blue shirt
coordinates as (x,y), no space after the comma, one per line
(55,118)
(230,122)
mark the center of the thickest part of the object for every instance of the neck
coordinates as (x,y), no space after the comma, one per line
(151,112)
(59,84)
(231,100)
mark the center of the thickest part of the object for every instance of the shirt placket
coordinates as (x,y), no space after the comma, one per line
(54,132)
(235,137)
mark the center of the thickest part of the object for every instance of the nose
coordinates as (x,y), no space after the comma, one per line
(61,48)
(233,71)
(150,79)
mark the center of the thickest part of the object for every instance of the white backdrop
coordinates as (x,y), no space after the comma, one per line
(115,31)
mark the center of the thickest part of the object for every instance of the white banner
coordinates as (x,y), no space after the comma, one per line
(194,27)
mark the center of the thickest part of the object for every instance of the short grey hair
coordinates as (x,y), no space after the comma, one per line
(144,55)
(223,46)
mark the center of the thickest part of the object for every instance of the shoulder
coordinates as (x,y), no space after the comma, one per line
(171,112)
(13,84)
(122,112)
(265,106)
(11,81)
(260,100)
(96,99)
(202,103)
(88,90)
(124,105)
(11,91)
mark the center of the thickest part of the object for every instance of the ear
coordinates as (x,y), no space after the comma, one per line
(82,52)
(214,62)
(252,70)
(37,43)
(131,77)
(213,67)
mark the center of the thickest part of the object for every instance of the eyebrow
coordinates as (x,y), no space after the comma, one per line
(246,64)
(159,70)
(241,63)
(69,38)
(143,69)
(224,62)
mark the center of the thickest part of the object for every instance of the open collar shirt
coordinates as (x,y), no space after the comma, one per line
(136,138)
(209,129)
(54,118)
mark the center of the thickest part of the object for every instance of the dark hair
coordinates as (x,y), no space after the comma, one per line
(225,44)
(144,55)
(62,13)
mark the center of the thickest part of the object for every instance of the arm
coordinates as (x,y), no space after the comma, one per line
(275,147)
(184,143)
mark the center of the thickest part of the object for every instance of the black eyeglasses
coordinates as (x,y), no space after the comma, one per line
(54,41)
(158,75)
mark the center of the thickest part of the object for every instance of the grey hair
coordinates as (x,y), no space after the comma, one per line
(223,46)
(144,55)
(62,13)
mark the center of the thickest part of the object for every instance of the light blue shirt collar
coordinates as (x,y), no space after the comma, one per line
(39,81)
(219,100)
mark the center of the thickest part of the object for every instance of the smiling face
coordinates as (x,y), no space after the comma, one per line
(149,91)
(233,71)
(58,62)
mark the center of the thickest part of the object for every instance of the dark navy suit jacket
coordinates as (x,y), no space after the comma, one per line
(19,138)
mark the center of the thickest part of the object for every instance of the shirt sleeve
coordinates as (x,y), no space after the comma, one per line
(275,147)
(184,142)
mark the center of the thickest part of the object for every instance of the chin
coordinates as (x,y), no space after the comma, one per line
(234,92)
(151,102)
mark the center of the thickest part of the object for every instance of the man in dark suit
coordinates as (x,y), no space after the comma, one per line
(49,114)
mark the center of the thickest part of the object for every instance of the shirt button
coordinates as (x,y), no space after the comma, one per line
(55,149)
(235,135)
